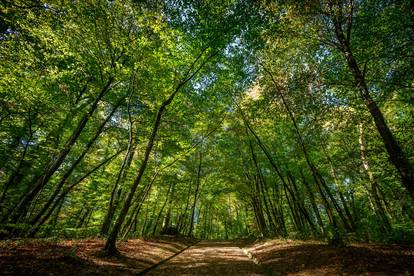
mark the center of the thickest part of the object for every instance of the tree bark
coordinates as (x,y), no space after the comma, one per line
(21,208)
(193,207)
(169,191)
(319,180)
(122,173)
(395,153)
(110,245)
(64,193)
(374,184)
(68,173)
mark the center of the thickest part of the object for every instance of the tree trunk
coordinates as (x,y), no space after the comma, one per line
(169,191)
(64,193)
(21,208)
(110,246)
(122,173)
(183,214)
(135,212)
(315,173)
(193,207)
(16,175)
(277,170)
(75,164)
(313,203)
(258,214)
(374,184)
(395,153)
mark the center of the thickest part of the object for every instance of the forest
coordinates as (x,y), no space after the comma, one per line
(126,122)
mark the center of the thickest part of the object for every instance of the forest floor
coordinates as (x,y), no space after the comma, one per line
(172,256)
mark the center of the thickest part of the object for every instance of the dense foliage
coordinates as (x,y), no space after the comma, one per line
(213,119)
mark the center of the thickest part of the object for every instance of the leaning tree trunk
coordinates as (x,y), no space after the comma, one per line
(395,153)
(137,209)
(277,170)
(167,197)
(21,208)
(122,173)
(110,245)
(73,166)
(193,207)
(319,180)
(64,193)
(374,184)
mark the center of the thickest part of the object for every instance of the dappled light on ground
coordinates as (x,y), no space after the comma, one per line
(316,258)
(76,257)
(173,256)
(210,258)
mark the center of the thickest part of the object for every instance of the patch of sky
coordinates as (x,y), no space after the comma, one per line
(202,83)
(234,45)
(347,181)
(116,120)
(390,74)
(322,53)
(7,32)
(331,99)
(27,142)
(374,89)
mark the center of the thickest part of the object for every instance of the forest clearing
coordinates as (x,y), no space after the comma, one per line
(207,137)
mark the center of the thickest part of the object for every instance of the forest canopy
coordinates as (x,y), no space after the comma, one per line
(208,119)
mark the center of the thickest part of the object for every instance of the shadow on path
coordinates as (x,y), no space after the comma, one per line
(322,259)
(210,258)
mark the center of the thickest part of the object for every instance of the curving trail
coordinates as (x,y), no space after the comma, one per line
(209,258)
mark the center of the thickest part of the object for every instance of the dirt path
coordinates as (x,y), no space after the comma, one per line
(178,256)
(209,258)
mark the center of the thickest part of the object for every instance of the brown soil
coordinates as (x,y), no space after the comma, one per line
(84,257)
(274,257)
(210,258)
(281,257)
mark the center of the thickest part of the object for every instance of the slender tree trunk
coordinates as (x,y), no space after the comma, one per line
(89,218)
(395,153)
(116,191)
(278,211)
(259,180)
(193,207)
(295,220)
(258,214)
(21,208)
(54,219)
(341,195)
(110,245)
(167,218)
(313,203)
(136,211)
(83,217)
(277,170)
(16,175)
(315,173)
(374,184)
(144,223)
(69,172)
(169,191)
(64,193)
(122,173)
(183,215)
